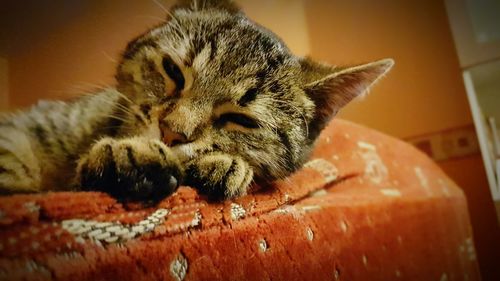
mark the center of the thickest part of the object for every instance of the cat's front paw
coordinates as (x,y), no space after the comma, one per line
(134,169)
(219,175)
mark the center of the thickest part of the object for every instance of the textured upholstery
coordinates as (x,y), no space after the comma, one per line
(366,207)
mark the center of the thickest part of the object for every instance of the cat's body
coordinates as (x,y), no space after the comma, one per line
(208,98)
(39,148)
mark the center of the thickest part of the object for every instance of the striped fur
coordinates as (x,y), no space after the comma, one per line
(230,102)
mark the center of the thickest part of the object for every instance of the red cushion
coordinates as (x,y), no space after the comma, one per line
(366,207)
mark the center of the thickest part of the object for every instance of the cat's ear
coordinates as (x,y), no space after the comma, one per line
(331,88)
(196,5)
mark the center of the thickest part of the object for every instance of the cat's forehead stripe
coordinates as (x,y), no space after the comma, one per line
(137,45)
(202,58)
(213,48)
(213,40)
(248,97)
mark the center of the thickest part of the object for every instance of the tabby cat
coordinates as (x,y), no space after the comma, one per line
(208,99)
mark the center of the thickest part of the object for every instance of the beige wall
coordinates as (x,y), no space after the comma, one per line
(424,92)
(78,53)
(4,84)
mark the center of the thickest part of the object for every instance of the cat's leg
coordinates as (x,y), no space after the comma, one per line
(219,175)
(19,167)
(135,169)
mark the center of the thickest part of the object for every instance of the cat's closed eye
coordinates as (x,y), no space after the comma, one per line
(174,72)
(238,119)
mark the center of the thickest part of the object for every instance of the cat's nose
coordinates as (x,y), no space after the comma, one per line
(172,138)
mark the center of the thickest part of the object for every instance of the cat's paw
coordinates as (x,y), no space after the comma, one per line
(219,175)
(135,169)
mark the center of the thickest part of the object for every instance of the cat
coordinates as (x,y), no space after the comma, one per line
(207,98)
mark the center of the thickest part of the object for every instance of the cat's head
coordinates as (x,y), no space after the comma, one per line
(210,79)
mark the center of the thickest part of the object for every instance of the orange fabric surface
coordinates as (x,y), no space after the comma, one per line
(365,207)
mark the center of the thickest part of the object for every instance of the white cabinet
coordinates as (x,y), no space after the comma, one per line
(475,27)
(484,100)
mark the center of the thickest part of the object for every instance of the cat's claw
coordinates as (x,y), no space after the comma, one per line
(130,170)
(173,182)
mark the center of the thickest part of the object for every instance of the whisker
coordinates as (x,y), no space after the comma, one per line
(99,86)
(119,106)
(173,18)
(109,57)
(124,109)
(126,121)
(127,99)
(161,6)
(83,89)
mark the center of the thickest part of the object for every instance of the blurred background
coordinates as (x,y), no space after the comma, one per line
(443,95)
